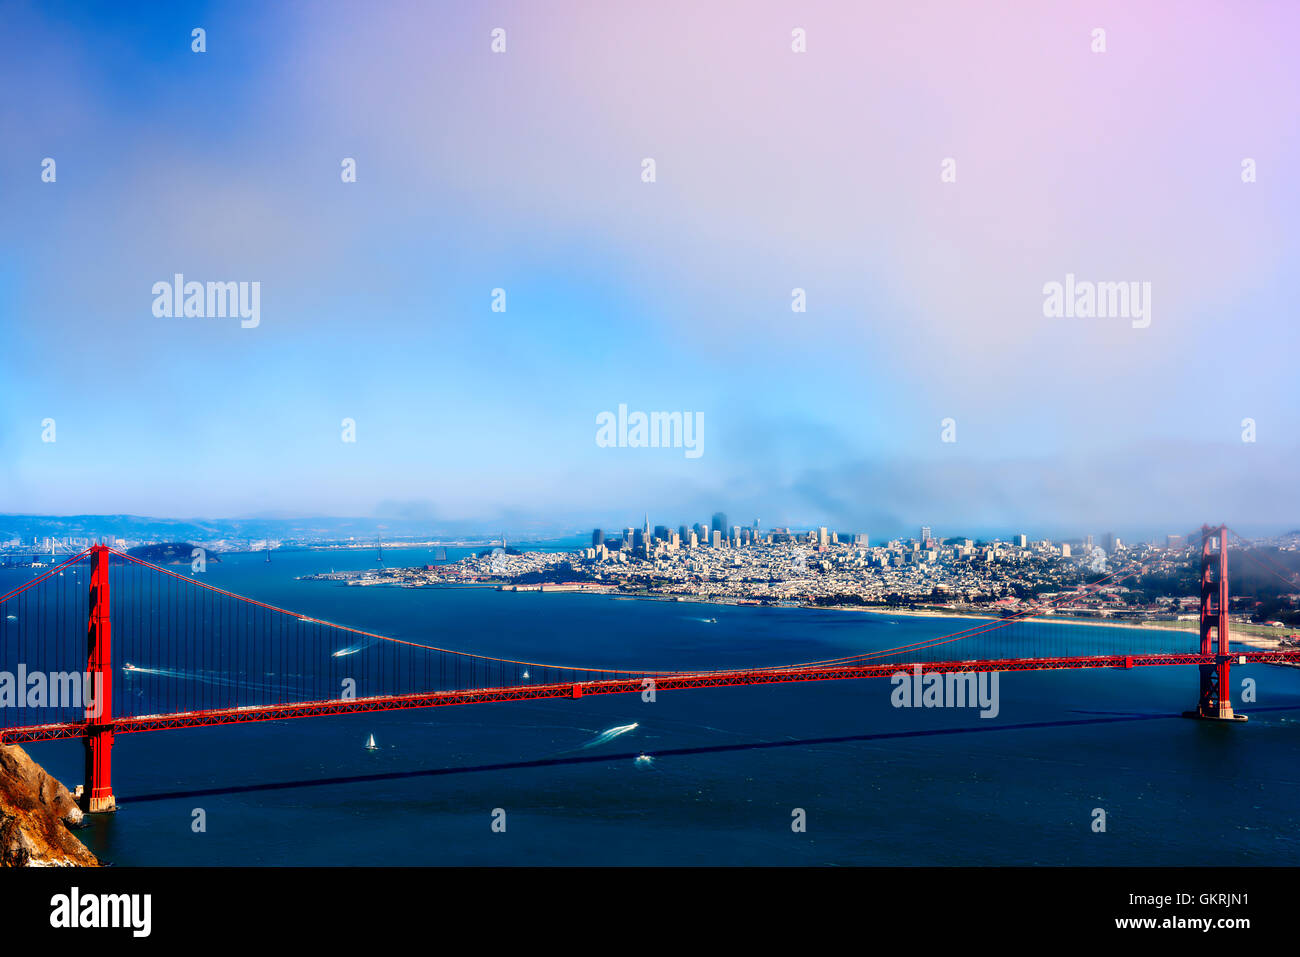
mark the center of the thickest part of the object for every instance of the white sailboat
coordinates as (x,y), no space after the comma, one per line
(370,744)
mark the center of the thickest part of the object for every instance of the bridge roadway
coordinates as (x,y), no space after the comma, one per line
(671,682)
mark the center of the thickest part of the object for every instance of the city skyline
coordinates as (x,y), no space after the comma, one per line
(19,531)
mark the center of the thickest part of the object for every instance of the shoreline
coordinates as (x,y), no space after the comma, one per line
(1254,641)
(1167,625)
(1037,619)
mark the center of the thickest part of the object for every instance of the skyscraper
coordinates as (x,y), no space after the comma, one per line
(597,538)
(719,523)
(926,533)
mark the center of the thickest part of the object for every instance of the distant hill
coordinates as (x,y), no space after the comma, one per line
(144,528)
(168,553)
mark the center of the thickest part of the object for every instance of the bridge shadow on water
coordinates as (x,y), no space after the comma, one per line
(1099,717)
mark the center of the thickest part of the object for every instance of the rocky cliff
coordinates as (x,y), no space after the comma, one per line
(35,813)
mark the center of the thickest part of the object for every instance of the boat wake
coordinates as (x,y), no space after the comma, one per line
(353,649)
(202,677)
(609,734)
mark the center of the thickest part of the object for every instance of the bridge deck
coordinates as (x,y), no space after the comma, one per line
(672,682)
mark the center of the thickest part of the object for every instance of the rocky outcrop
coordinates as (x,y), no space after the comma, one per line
(35,814)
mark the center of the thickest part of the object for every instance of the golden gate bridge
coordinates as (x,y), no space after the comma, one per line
(194,655)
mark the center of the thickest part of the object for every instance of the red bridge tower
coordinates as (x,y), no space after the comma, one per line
(96,794)
(1215,701)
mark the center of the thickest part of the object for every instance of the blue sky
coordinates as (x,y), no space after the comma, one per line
(521,171)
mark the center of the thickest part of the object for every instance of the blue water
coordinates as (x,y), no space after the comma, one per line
(874,791)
